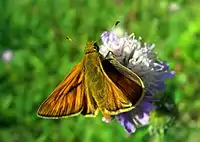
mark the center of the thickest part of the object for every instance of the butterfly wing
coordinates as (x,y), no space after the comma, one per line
(68,98)
(121,87)
(127,81)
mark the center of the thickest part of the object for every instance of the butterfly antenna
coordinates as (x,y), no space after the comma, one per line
(116,24)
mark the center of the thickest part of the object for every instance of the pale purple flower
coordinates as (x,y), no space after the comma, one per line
(7,55)
(141,59)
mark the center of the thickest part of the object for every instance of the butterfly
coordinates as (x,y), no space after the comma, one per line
(95,84)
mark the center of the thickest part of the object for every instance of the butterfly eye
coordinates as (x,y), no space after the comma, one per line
(96,46)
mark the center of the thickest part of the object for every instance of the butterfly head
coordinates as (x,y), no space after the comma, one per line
(91,47)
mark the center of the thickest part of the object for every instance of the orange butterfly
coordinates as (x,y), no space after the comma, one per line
(94,84)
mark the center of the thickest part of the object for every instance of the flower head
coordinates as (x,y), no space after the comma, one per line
(7,55)
(141,59)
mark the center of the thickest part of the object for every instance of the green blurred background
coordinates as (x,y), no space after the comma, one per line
(36,56)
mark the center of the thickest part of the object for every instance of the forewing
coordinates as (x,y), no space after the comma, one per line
(68,99)
(123,94)
(128,82)
(110,99)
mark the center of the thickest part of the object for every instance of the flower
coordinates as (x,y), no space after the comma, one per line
(7,55)
(141,59)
